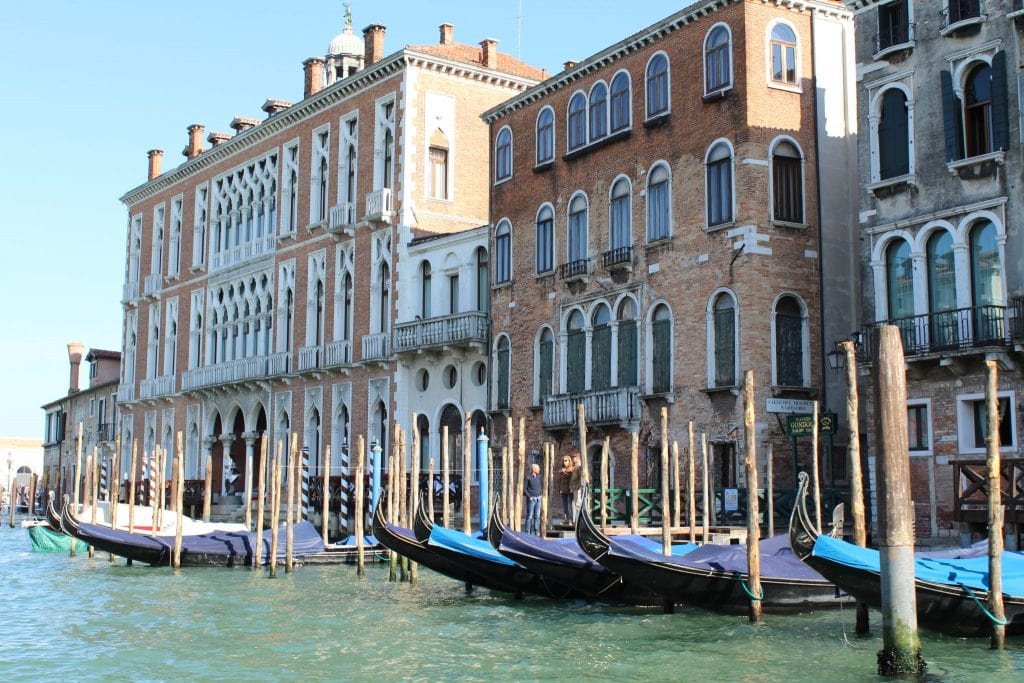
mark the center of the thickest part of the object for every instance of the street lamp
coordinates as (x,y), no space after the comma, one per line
(836,357)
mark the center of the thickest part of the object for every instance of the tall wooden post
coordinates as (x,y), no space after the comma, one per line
(706,508)
(275,508)
(289,519)
(208,486)
(179,499)
(901,647)
(359,516)
(676,492)
(691,495)
(414,488)
(430,489)
(517,491)
(816,469)
(770,493)
(248,485)
(131,488)
(545,506)
(511,488)
(634,481)
(95,473)
(467,473)
(325,494)
(394,489)
(77,478)
(115,482)
(995,509)
(860,535)
(506,484)
(604,482)
(581,426)
(261,492)
(753,514)
(445,477)
(666,503)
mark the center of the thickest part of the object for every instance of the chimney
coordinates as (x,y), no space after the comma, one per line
(569,65)
(156,157)
(240,124)
(75,350)
(373,40)
(447,34)
(215,138)
(313,68)
(195,141)
(489,58)
(275,106)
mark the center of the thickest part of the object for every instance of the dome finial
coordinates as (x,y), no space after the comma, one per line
(348,16)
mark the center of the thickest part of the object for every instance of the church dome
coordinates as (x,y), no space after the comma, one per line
(346,43)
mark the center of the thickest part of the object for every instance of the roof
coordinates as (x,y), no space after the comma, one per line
(473,54)
(96,354)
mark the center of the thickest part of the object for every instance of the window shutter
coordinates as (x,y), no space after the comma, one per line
(661,359)
(951,118)
(1000,103)
(626,374)
(503,379)
(545,369)
(601,358)
(894,136)
(575,370)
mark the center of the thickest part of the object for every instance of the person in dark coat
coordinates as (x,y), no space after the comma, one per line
(565,488)
(532,492)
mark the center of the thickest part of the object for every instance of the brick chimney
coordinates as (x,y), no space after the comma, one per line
(313,68)
(215,138)
(489,48)
(447,34)
(195,141)
(570,64)
(373,39)
(75,350)
(274,107)
(156,158)
(240,124)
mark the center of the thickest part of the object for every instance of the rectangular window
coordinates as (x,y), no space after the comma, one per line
(919,437)
(972,422)
(626,374)
(787,192)
(545,259)
(661,356)
(980,416)
(725,348)
(546,366)
(503,379)
(92,407)
(438,173)
(601,352)
(719,192)
(575,362)
(893,24)
(453,294)
(657,211)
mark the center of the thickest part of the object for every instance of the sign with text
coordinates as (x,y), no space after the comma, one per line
(731,499)
(789,405)
(803,425)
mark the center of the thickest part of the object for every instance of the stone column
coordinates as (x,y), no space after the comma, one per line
(250,442)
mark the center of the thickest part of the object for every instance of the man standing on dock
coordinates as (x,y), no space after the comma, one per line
(532,491)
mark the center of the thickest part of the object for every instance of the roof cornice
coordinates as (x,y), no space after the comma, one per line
(642,39)
(337,92)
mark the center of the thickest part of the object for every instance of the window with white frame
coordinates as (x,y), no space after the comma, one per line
(344,303)
(502,364)
(919,426)
(384,141)
(787,182)
(577,242)
(425,289)
(659,203)
(134,249)
(598,111)
(620,101)
(722,340)
(660,345)
(717,59)
(503,155)
(892,132)
(972,422)
(153,341)
(171,337)
(437,160)
(718,169)
(621,216)
(783,55)
(349,163)
(200,227)
(320,176)
(545,364)
(576,121)
(575,369)
(316,298)
(291,190)
(790,342)
(483,279)
(545,136)
(657,82)
(545,236)
(158,240)
(626,342)
(195,331)
(174,246)
(503,252)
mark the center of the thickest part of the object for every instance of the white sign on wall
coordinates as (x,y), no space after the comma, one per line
(789,405)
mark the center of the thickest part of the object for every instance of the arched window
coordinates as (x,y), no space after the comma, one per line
(789,342)
(289,314)
(621,109)
(321,209)
(577,122)
(389,160)
(346,310)
(438,157)
(659,199)
(319,327)
(350,175)
(657,86)
(899,276)
(577,241)
(783,54)
(893,141)
(503,363)
(942,290)
(787,183)
(717,60)
(626,344)
(598,111)
(719,184)
(545,240)
(423,427)
(545,364)
(425,289)
(293,200)
(575,354)
(503,155)
(978,110)
(600,349)
(723,337)
(986,283)
(503,252)
(545,136)
(661,350)
(621,229)
(483,281)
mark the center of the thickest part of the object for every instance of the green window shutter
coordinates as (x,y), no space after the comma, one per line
(1000,103)
(545,369)
(601,358)
(661,356)
(893,136)
(952,116)
(575,370)
(503,379)
(725,348)
(626,375)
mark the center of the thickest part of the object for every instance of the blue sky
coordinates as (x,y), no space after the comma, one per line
(88,87)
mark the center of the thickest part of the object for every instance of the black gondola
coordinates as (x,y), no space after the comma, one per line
(714,576)
(954,608)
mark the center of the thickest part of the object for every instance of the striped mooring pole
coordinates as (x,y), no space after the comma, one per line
(150,482)
(305,482)
(105,481)
(343,496)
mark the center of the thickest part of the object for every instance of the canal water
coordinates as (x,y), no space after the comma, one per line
(80,619)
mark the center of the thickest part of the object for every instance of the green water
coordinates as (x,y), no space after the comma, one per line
(81,619)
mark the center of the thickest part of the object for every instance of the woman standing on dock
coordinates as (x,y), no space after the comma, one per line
(564,490)
(576,484)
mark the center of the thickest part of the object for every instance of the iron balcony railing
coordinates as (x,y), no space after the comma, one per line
(375,346)
(458,329)
(1016,314)
(574,269)
(894,34)
(338,352)
(617,256)
(959,329)
(156,386)
(105,431)
(957,11)
(605,406)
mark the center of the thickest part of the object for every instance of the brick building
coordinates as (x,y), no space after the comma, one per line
(940,167)
(265,274)
(659,228)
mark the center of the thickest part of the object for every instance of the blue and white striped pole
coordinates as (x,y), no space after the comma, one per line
(482,477)
(374,477)
(343,491)
(305,482)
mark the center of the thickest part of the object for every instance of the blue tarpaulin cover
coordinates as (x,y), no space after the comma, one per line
(474,547)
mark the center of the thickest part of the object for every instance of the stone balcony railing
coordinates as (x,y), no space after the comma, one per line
(618,405)
(157,386)
(279,363)
(243,252)
(338,353)
(309,357)
(458,330)
(375,346)
(130,292)
(342,217)
(125,393)
(241,370)
(153,283)
(379,206)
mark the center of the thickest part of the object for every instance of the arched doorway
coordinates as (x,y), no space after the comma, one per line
(451,417)
(216,454)
(261,437)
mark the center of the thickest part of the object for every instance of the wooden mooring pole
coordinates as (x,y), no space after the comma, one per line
(445,477)
(506,484)
(860,535)
(325,499)
(995,509)
(901,646)
(706,507)
(770,492)
(677,494)
(359,516)
(605,447)
(179,499)
(76,480)
(546,486)
(208,484)
(634,481)
(430,489)
(131,488)
(414,489)
(261,492)
(289,518)
(275,508)
(467,473)
(815,470)
(666,502)
(691,494)
(517,484)
(753,516)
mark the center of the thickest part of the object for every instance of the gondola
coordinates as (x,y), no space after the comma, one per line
(563,561)
(951,586)
(713,576)
(477,555)
(217,549)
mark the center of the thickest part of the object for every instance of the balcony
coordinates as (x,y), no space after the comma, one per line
(616,406)
(342,219)
(946,332)
(241,370)
(152,285)
(574,271)
(125,393)
(242,252)
(619,258)
(960,14)
(156,387)
(309,358)
(105,431)
(279,363)
(462,330)
(130,292)
(379,207)
(375,347)
(338,353)
(894,38)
